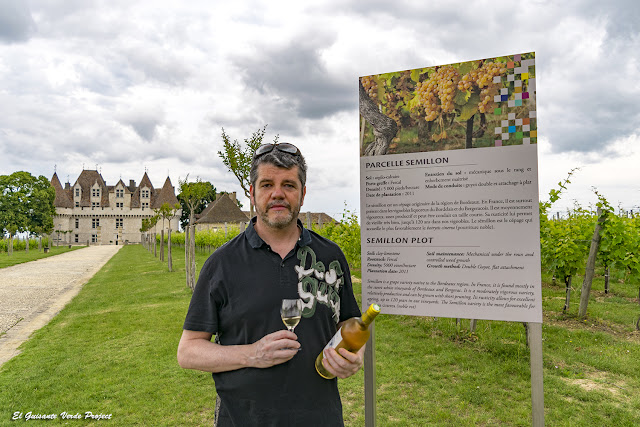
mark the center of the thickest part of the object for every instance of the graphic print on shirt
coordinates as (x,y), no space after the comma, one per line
(317,285)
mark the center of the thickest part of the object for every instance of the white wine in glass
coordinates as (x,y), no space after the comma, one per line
(291,311)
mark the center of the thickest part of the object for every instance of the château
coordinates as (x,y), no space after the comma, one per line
(90,211)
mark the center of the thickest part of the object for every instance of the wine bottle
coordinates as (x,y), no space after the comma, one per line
(352,335)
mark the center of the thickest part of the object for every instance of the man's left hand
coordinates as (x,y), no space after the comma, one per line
(343,363)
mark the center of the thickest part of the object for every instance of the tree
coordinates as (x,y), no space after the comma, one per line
(209,196)
(41,207)
(167,212)
(148,224)
(192,194)
(237,158)
(26,204)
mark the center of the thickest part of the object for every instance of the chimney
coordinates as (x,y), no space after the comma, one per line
(132,183)
(67,185)
(232,196)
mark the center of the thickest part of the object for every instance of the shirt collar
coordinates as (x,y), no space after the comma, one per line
(256,241)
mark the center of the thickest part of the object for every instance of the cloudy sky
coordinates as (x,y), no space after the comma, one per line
(129,86)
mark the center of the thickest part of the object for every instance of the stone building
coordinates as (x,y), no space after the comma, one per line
(223,210)
(92,211)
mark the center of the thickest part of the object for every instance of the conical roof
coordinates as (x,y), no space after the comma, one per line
(166,195)
(62,199)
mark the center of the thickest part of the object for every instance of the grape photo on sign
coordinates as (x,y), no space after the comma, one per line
(483,103)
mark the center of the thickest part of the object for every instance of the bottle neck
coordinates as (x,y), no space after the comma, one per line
(369,315)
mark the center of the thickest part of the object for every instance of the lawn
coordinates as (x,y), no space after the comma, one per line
(21,256)
(112,351)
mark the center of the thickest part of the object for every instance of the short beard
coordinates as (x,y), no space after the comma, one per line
(279,223)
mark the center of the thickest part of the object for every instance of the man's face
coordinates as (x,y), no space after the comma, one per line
(277,196)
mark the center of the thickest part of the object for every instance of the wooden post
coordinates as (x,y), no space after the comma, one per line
(370,380)
(590,268)
(567,284)
(537,390)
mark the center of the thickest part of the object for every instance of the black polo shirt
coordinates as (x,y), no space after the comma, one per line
(238,297)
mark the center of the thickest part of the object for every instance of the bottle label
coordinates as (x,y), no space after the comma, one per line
(337,339)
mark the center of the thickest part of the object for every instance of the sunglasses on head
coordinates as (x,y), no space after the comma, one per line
(285,147)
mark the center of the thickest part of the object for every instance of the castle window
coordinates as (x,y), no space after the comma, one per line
(95,205)
(119,193)
(75,238)
(119,223)
(119,205)
(95,192)
(77,192)
(145,194)
(95,222)
(145,205)
(94,238)
(77,223)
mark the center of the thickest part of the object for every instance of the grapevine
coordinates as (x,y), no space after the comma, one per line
(391,101)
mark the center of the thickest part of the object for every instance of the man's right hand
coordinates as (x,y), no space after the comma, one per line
(274,349)
(196,351)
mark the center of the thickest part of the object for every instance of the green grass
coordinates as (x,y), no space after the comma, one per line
(112,351)
(21,256)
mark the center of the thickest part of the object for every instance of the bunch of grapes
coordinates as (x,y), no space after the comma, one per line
(436,94)
(482,80)
(392,106)
(369,84)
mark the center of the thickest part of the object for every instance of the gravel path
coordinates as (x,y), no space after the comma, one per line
(33,292)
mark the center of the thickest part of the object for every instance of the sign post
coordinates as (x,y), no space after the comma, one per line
(370,380)
(449,195)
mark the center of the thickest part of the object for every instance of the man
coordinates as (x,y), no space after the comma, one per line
(264,374)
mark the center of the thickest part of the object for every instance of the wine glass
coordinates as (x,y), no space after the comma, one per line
(290,312)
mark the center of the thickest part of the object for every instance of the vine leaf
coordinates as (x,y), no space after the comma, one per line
(462,97)
(470,108)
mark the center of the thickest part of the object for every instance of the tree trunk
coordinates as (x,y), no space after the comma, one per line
(187,254)
(384,127)
(170,261)
(192,257)
(469,133)
(26,244)
(606,279)
(567,283)
(362,128)
(162,245)
(591,265)
(10,249)
(155,245)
